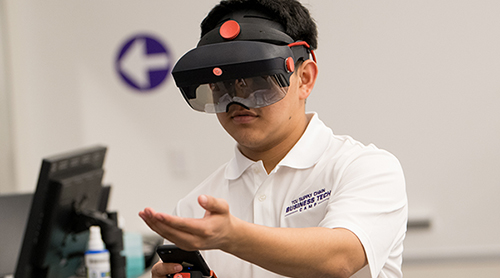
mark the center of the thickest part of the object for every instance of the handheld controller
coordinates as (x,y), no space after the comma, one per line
(194,266)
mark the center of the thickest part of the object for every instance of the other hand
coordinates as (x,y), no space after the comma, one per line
(161,269)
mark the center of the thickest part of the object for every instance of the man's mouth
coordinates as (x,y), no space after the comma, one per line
(243,114)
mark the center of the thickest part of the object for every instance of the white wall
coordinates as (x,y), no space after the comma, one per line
(419,78)
(7,183)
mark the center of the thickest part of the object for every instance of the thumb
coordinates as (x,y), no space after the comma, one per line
(213,205)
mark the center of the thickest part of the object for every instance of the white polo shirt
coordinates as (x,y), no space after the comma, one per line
(326,180)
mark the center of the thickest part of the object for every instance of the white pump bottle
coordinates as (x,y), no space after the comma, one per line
(97,257)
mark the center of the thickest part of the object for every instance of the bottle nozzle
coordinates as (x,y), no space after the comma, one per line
(95,239)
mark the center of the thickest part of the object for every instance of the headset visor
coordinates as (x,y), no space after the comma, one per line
(252,74)
(253,92)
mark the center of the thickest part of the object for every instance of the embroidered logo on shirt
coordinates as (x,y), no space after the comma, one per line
(308,201)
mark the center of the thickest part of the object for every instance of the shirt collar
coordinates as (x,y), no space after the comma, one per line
(304,154)
(308,150)
(237,165)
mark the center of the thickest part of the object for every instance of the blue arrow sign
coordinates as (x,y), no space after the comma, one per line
(143,62)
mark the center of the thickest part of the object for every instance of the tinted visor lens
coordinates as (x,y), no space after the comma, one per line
(253,92)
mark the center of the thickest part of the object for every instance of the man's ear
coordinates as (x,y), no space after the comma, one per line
(307,73)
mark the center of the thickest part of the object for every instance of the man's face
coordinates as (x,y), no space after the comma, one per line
(260,129)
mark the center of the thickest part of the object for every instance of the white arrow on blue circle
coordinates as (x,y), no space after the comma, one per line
(136,63)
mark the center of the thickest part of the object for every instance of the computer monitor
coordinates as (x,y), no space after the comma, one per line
(68,190)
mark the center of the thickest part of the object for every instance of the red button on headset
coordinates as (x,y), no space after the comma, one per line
(290,64)
(217,71)
(230,30)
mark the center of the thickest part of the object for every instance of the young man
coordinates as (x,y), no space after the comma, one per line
(296,200)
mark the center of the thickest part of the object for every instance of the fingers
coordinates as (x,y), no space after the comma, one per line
(153,220)
(161,269)
(146,213)
(176,229)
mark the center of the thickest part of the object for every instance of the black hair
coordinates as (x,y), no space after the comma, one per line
(291,14)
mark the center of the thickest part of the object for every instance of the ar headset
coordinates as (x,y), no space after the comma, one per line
(246,60)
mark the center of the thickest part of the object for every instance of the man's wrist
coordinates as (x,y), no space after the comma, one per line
(237,236)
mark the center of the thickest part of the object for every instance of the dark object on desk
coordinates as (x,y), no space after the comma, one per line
(68,198)
(192,261)
(14,209)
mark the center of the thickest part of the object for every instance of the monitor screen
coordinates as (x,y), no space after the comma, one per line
(54,244)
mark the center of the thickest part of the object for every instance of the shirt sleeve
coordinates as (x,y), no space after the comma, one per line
(369,199)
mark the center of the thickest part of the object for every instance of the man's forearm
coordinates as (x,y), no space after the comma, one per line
(298,252)
(294,252)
